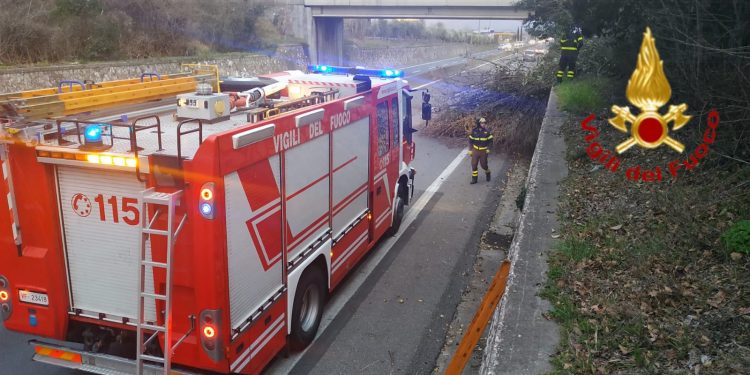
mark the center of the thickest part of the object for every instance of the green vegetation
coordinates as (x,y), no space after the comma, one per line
(576,249)
(703,46)
(653,277)
(35,31)
(583,96)
(737,237)
(641,281)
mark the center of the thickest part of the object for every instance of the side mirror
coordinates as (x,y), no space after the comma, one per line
(426,106)
(408,128)
(426,111)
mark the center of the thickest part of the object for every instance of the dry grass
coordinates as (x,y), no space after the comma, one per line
(641,282)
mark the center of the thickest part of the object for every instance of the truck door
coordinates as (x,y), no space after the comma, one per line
(407,128)
(385,160)
(100,212)
(254,238)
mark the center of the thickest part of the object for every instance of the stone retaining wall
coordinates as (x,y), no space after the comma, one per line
(284,57)
(233,64)
(520,339)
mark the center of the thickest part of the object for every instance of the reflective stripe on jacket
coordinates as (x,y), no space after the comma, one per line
(571,44)
(480,138)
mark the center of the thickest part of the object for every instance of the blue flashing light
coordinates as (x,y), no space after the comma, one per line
(391,73)
(93,133)
(327,69)
(382,73)
(206,209)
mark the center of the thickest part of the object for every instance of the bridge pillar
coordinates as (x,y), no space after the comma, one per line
(327,41)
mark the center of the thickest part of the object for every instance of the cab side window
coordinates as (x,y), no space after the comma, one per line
(382,112)
(394,123)
(408,131)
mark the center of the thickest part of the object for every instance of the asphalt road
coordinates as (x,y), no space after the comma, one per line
(391,314)
(407,292)
(15,357)
(453,61)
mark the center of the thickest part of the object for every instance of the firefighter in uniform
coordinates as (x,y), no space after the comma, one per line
(569,46)
(480,141)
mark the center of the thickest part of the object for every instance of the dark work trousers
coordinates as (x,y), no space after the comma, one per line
(567,63)
(479,157)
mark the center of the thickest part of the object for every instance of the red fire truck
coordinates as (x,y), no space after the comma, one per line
(197,233)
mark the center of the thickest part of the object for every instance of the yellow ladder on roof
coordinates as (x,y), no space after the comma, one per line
(205,69)
(78,98)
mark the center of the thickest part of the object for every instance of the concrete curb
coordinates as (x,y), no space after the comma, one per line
(520,340)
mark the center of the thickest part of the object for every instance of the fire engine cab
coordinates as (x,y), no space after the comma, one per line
(164,225)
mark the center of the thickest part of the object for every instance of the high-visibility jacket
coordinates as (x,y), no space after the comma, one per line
(480,138)
(571,45)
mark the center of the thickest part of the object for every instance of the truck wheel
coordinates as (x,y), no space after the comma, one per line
(308,308)
(398,217)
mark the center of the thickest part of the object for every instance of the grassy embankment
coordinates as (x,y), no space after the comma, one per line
(649,277)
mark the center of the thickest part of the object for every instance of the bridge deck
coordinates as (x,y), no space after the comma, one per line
(468,9)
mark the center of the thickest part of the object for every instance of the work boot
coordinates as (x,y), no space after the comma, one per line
(487,174)
(474,179)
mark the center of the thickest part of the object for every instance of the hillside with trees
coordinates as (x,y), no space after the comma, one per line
(34,31)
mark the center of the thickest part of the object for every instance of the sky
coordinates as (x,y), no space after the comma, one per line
(497,25)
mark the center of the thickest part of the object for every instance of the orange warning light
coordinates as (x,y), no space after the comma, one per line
(209,332)
(207,194)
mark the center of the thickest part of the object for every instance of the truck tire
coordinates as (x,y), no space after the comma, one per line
(308,308)
(398,217)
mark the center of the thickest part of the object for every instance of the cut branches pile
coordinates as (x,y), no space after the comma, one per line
(511,97)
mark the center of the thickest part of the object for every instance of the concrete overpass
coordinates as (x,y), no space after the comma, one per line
(323,20)
(446,9)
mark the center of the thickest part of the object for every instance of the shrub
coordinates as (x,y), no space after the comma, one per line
(597,56)
(583,96)
(737,238)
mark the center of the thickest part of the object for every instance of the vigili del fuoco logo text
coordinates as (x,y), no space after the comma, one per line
(649,90)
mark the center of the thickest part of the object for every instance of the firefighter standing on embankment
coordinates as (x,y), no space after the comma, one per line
(480,141)
(569,46)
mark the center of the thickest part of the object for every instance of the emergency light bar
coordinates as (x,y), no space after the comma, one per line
(382,73)
(96,160)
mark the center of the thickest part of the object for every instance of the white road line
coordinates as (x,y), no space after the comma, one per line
(490,62)
(426,84)
(457,60)
(468,70)
(428,63)
(345,292)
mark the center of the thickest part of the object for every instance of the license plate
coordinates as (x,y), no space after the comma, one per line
(33,297)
